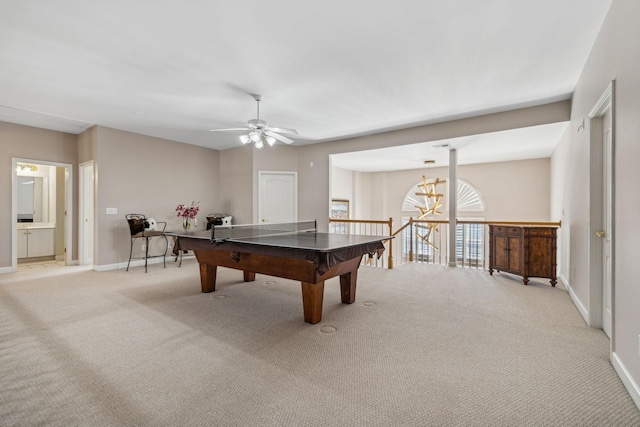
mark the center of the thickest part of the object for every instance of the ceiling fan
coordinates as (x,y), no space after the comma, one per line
(259,130)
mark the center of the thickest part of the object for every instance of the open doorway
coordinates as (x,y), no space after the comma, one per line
(41,211)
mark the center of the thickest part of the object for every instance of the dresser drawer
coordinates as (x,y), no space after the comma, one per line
(503,229)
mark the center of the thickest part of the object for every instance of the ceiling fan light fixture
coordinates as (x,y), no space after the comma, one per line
(255,136)
(259,131)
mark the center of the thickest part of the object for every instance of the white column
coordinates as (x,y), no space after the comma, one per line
(453,205)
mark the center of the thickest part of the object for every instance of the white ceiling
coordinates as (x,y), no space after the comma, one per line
(329,69)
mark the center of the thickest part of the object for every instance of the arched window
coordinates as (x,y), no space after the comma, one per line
(469,198)
(469,237)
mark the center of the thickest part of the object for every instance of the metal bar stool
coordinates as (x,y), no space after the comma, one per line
(139,229)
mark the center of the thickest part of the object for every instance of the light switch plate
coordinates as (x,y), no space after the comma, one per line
(112,211)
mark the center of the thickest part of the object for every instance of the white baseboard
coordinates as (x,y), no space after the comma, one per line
(626,378)
(107,267)
(117,266)
(136,263)
(581,308)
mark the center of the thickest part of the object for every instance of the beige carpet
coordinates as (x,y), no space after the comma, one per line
(421,346)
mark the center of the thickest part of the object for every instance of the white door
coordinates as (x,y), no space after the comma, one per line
(86,213)
(277,196)
(606,221)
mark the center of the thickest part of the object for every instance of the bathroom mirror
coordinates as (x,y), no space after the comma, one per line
(33,199)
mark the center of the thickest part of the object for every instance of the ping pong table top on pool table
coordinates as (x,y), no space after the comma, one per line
(305,255)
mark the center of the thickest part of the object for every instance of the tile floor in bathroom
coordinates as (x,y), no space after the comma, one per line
(40,265)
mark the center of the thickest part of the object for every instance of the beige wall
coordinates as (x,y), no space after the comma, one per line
(35,144)
(356,187)
(60,217)
(314,204)
(236,184)
(151,176)
(524,196)
(342,181)
(371,202)
(87,145)
(615,55)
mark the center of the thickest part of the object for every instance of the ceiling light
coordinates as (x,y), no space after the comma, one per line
(23,167)
(255,136)
(258,137)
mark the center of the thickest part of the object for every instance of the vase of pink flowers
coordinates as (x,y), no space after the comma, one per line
(188,213)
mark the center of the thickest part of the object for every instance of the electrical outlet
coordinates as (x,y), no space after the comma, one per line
(169,245)
(144,247)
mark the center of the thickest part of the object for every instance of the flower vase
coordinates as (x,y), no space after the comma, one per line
(186,224)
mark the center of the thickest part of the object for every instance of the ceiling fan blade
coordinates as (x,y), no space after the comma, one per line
(251,124)
(225,130)
(283,130)
(278,137)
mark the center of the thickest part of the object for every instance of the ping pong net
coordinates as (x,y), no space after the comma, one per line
(236,232)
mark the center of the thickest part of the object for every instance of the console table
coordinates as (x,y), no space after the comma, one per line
(524,251)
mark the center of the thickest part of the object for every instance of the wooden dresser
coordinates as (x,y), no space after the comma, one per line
(524,251)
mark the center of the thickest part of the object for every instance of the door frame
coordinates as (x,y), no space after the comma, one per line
(82,236)
(68,207)
(605,104)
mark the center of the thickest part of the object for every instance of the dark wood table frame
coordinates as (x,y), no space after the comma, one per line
(294,269)
(210,256)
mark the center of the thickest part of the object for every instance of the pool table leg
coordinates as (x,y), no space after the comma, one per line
(208,277)
(312,294)
(348,286)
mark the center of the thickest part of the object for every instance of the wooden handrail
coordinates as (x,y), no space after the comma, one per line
(445,221)
(464,221)
(435,221)
(400,229)
(539,223)
(362,221)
